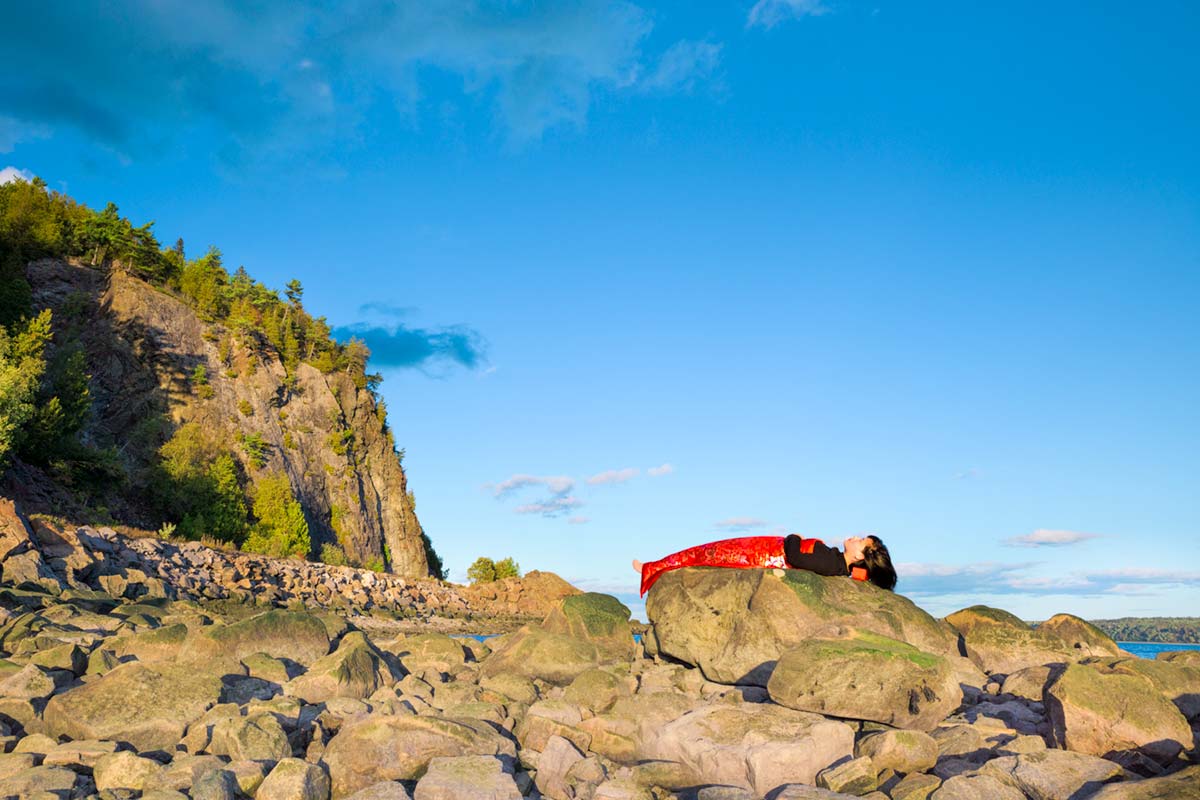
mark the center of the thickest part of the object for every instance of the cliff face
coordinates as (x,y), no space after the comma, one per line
(145,349)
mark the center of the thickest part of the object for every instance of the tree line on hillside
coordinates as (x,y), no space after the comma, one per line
(195,483)
(1180,630)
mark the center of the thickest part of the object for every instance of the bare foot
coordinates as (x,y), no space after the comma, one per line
(637,566)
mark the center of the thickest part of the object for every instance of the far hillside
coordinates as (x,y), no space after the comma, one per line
(1182,630)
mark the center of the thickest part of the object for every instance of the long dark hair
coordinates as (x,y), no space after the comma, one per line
(878,563)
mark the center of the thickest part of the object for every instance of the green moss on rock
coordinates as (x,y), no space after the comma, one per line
(600,614)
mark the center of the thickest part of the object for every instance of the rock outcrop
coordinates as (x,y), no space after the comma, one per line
(322,431)
(735,624)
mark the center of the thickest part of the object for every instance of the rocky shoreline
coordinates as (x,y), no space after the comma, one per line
(747,684)
(40,552)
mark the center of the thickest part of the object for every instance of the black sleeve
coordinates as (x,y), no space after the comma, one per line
(823,560)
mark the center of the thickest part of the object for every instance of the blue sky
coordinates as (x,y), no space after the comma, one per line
(640,276)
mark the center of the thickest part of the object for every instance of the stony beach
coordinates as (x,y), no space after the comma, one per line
(134,667)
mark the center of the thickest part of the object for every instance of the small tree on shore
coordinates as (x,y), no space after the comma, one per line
(485,570)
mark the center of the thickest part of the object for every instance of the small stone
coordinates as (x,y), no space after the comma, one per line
(249,774)
(903,751)
(12,763)
(257,738)
(917,786)
(856,776)
(124,770)
(267,668)
(466,778)
(293,779)
(219,784)
(54,781)
(977,787)
(79,755)
(384,790)
(31,683)
(35,743)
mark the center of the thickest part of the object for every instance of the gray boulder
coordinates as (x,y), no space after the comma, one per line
(868,677)
(1109,708)
(752,746)
(734,624)
(380,747)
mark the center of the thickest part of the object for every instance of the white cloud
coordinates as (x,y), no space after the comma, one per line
(553,507)
(274,79)
(665,469)
(683,65)
(769,13)
(982,579)
(1044,537)
(10,174)
(557,484)
(740,523)
(613,476)
(967,474)
(578,520)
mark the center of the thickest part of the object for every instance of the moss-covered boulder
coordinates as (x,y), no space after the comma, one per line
(585,631)
(1181,785)
(148,707)
(1178,682)
(1000,643)
(598,618)
(868,677)
(356,669)
(296,635)
(1109,708)
(1082,638)
(735,623)
(423,651)
(382,747)
(596,690)
(154,644)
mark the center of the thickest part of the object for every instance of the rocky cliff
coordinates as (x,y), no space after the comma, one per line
(155,366)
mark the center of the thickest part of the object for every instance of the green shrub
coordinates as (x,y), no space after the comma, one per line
(281,529)
(333,554)
(256,449)
(485,570)
(198,487)
(22,363)
(246,409)
(507,568)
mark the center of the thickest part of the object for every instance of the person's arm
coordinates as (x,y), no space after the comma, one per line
(820,558)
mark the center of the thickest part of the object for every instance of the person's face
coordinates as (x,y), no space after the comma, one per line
(854,547)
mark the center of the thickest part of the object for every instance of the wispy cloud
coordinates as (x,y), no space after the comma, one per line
(553,507)
(578,520)
(386,309)
(557,484)
(10,174)
(769,13)
(990,578)
(967,474)
(613,476)
(664,469)
(683,65)
(400,346)
(1043,537)
(267,80)
(740,523)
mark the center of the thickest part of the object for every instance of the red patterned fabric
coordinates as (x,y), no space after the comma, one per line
(747,552)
